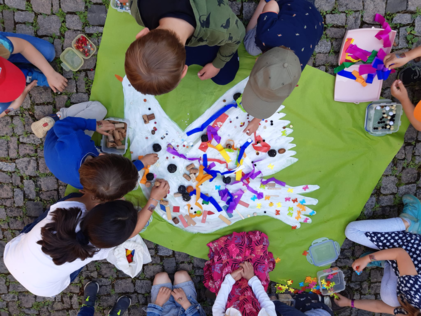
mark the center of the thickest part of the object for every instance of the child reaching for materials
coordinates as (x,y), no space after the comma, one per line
(32,56)
(407,76)
(178,34)
(396,242)
(68,144)
(286,32)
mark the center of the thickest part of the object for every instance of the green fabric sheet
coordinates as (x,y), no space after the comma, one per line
(333,151)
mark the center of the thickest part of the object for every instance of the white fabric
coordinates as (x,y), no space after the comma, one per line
(34,269)
(141,256)
(267,306)
(286,203)
(317,312)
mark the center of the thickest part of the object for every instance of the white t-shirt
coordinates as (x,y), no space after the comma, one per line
(35,270)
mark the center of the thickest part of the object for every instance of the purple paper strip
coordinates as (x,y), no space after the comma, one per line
(212,132)
(237,197)
(174,152)
(264,182)
(259,195)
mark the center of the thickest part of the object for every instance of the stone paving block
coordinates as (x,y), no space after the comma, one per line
(81,83)
(48,195)
(29,189)
(5,126)
(181,257)
(6,191)
(9,23)
(162,251)
(324,5)
(4,152)
(24,16)
(336,19)
(58,47)
(41,6)
(418,26)
(48,25)
(248,10)
(4,178)
(73,5)
(17,4)
(41,95)
(89,64)
(386,200)
(334,32)
(97,15)
(169,265)
(143,286)
(389,185)
(401,18)
(371,7)
(42,111)
(414,4)
(79,97)
(394,6)
(25,149)
(409,175)
(353,21)
(323,46)
(407,189)
(124,286)
(151,270)
(71,86)
(69,36)
(5,166)
(93,30)
(402,42)
(235,7)
(73,22)
(48,183)
(61,101)
(18,196)
(355,5)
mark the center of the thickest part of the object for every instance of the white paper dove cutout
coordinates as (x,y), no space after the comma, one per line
(284,203)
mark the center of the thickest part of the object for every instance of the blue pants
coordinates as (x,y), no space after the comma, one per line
(29,227)
(283,309)
(43,46)
(203,55)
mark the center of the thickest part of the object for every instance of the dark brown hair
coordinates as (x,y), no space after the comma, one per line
(155,62)
(411,310)
(108,177)
(107,225)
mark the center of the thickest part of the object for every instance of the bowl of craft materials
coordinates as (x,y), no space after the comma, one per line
(73,57)
(383,117)
(116,142)
(323,251)
(361,71)
(121,5)
(331,281)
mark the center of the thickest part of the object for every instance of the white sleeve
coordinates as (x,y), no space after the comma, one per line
(262,296)
(218,308)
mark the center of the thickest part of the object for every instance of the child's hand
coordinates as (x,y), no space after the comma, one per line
(103,127)
(399,91)
(181,298)
(237,274)
(393,60)
(30,86)
(252,127)
(207,72)
(342,301)
(248,270)
(158,193)
(149,159)
(56,81)
(18,102)
(360,263)
(163,296)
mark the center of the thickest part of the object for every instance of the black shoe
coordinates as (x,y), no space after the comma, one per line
(91,290)
(121,306)
(410,75)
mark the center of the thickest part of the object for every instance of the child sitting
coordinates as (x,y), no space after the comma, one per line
(82,227)
(407,76)
(291,27)
(68,143)
(178,34)
(29,52)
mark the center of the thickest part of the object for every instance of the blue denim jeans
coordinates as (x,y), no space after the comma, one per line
(29,227)
(43,46)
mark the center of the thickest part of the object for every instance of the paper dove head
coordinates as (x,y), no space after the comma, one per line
(215,171)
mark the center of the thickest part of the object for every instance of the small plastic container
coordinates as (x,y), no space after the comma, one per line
(323,251)
(104,147)
(114,5)
(333,275)
(374,114)
(72,59)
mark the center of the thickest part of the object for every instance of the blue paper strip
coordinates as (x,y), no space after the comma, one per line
(370,78)
(211,119)
(208,199)
(346,74)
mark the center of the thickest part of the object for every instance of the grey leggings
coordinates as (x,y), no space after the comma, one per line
(355,232)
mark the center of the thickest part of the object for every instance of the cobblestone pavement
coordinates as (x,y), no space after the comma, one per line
(27,187)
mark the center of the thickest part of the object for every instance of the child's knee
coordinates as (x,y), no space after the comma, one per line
(350,229)
(100,109)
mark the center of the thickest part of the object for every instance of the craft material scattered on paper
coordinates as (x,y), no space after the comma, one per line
(216,166)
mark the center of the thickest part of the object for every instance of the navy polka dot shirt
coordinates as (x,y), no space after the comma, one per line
(298,26)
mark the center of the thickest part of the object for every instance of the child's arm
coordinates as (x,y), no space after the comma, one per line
(394,60)
(221,300)
(398,90)
(367,305)
(145,214)
(271,6)
(262,296)
(55,80)
(259,10)
(18,102)
(65,127)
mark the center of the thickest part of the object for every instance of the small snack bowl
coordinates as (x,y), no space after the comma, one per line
(328,276)
(383,117)
(72,57)
(121,5)
(323,251)
(117,143)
